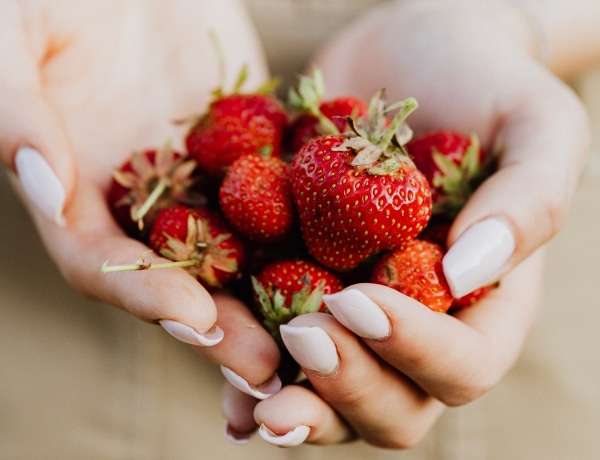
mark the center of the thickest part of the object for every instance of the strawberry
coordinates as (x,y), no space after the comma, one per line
(180,233)
(288,288)
(149,181)
(359,195)
(416,271)
(256,197)
(317,116)
(472,298)
(454,165)
(237,124)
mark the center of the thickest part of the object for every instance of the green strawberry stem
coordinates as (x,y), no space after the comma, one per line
(382,152)
(138,214)
(308,97)
(141,265)
(405,108)
(274,309)
(458,182)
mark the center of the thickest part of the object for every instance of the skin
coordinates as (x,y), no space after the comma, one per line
(77,94)
(430,360)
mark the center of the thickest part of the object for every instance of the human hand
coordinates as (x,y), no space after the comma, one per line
(84,84)
(471,69)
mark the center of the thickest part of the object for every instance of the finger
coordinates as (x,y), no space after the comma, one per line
(296,415)
(454,359)
(544,135)
(238,410)
(248,355)
(358,385)
(169,297)
(33,139)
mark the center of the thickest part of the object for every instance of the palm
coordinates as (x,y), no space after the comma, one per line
(120,80)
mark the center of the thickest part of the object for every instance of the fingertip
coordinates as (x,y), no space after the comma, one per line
(40,184)
(263,391)
(188,334)
(478,256)
(238,410)
(292,438)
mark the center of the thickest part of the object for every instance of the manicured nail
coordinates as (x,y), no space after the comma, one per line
(358,313)
(292,438)
(477,257)
(311,347)
(188,334)
(235,437)
(263,391)
(40,184)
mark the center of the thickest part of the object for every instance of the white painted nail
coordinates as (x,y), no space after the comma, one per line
(263,391)
(358,313)
(477,257)
(236,437)
(40,184)
(311,347)
(189,335)
(292,438)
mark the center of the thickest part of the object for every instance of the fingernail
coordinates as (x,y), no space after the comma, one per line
(263,391)
(292,438)
(235,437)
(477,257)
(188,334)
(311,347)
(40,184)
(358,313)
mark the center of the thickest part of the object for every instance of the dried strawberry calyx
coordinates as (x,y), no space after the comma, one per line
(378,142)
(205,249)
(277,309)
(155,183)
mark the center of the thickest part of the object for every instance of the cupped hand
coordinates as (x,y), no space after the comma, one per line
(473,68)
(84,84)
(384,367)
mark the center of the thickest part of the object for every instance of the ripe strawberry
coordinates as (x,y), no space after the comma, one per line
(359,195)
(256,197)
(454,164)
(180,233)
(237,124)
(149,181)
(437,230)
(286,289)
(317,116)
(416,271)
(472,298)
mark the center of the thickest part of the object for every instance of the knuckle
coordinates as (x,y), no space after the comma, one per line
(467,391)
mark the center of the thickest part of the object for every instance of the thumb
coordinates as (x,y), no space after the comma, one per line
(33,140)
(525,203)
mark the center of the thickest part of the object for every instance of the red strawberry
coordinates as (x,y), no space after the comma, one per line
(286,289)
(256,197)
(416,271)
(237,124)
(471,299)
(180,233)
(454,165)
(317,116)
(359,195)
(149,181)
(437,231)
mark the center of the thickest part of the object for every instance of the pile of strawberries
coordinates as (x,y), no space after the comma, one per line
(283,202)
